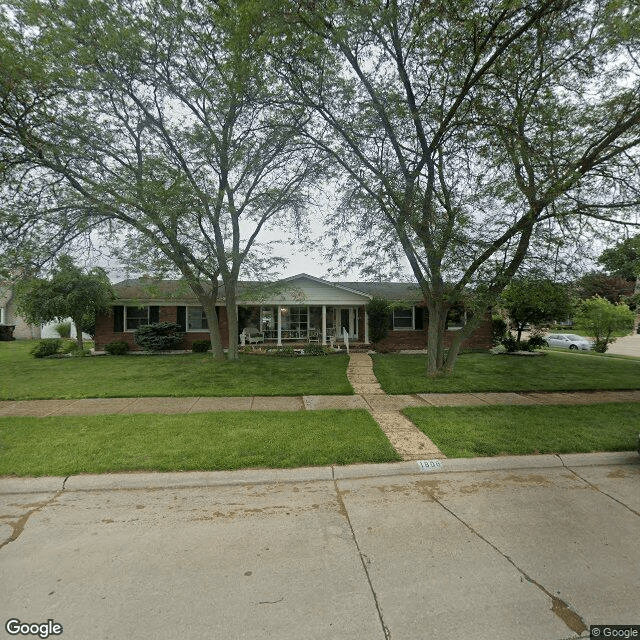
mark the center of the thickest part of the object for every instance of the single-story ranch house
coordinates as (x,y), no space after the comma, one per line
(299,309)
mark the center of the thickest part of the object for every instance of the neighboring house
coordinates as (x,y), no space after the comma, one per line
(296,309)
(9,316)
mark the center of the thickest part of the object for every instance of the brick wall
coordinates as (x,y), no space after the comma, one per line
(105,333)
(480,339)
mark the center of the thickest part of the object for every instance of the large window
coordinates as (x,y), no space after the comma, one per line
(403,319)
(196,319)
(135,317)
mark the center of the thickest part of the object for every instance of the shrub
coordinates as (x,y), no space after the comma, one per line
(63,329)
(379,311)
(46,347)
(283,352)
(601,319)
(160,336)
(509,342)
(201,346)
(72,348)
(117,348)
(600,345)
(316,350)
(537,341)
(498,330)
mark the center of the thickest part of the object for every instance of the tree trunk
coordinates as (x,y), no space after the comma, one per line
(209,307)
(232,320)
(435,336)
(636,295)
(457,341)
(79,340)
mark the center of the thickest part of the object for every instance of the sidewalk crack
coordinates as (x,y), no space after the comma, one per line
(363,560)
(558,606)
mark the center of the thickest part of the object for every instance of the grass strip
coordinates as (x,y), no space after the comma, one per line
(553,371)
(467,432)
(182,375)
(65,445)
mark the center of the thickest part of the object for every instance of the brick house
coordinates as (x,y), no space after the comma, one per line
(299,309)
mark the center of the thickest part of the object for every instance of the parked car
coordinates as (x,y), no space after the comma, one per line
(568,341)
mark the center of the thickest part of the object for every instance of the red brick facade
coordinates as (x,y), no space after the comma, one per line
(395,341)
(479,340)
(105,330)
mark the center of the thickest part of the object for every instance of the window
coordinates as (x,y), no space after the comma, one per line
(403,319)
(135,317)
(196,319)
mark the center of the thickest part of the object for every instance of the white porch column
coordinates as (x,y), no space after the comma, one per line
(279,327)
(366,326)
(324,324)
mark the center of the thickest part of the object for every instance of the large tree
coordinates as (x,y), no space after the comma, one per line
(70,292)
(156,124)
(469,133)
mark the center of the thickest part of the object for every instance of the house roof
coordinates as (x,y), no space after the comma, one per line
(151,290)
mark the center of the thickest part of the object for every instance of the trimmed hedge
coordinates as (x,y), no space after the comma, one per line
(201,346)
(117,348)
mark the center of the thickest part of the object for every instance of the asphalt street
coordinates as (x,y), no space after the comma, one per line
(529,548)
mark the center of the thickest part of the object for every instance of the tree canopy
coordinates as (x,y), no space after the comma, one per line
(469,134)
(155,124)
(69,293)
(535,300)
(464,137)
(601,319)
(623,260)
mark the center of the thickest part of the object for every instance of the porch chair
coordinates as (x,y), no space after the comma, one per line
(314,336)
(252,335)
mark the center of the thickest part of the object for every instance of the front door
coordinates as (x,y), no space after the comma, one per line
(349,321)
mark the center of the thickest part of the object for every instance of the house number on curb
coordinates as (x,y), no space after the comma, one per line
(428,465)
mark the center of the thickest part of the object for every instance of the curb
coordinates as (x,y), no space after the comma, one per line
(177,480)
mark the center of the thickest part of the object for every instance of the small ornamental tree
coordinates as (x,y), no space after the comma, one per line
(69,293)
(601,319)
(533,300)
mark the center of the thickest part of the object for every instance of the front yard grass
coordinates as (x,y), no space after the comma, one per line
(27,378)
(467,432)
(204,442)
(553,371)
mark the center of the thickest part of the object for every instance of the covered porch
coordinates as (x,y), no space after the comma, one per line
(288,323)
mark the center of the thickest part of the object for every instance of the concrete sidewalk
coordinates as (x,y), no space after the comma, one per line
(380,402)
(527,548)
(404,436)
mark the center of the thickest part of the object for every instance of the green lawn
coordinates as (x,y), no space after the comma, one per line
(466,432)
(553,371)
(26,378)
(209,441)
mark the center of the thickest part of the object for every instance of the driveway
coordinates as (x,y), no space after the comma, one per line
(626,346)
(531,548)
